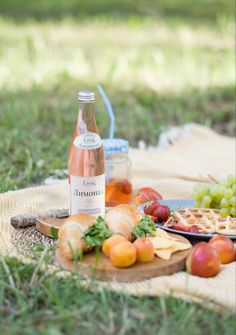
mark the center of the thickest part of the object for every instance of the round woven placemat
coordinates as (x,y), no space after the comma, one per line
(29,241)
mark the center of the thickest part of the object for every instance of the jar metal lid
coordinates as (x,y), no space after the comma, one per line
(115,146)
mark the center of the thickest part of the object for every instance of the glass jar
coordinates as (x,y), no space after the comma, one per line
(118,172)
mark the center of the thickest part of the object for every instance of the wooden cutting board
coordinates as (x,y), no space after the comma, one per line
(45,224)
(100,267)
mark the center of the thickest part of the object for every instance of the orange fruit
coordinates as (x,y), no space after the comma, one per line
(145,250)
(110,242)
(123,254)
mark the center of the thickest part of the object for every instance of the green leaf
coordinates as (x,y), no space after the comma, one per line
(77,254)
(146,227)
(39,247)
(95,235)
(54,233)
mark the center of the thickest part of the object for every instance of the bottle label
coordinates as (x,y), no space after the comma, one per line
(88,141)
(87,195)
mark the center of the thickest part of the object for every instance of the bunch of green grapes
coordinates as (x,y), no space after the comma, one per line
(221,195)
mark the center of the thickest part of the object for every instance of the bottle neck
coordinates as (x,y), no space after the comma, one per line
(86,118)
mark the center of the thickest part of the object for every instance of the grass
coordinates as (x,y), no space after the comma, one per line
(157,73)
(162,63)
(48,305)
(206,10)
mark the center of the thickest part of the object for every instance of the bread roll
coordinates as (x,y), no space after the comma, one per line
(70,234)
(122,219)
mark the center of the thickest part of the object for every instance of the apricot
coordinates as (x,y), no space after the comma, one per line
(145,250)
(123,254)
(203,260)
(225,250)
(110,242)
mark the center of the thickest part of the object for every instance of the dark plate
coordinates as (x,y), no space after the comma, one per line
(177,204)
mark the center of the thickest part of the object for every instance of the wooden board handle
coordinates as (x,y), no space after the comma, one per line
(27,220)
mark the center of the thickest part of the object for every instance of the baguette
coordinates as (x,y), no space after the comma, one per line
(122,219)
(70,234)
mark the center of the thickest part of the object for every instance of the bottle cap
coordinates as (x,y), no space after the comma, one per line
(115,146)
(86,96)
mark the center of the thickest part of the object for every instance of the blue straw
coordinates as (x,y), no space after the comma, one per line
(110,110)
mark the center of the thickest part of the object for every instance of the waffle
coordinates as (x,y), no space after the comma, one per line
(226,226)
(208,221)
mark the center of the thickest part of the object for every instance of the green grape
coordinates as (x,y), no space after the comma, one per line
(214,190)
(202,205)
(231,179)
(218,197)
(203,189)
(221,189)
(197,196)
(224,212)
(199,192)
(233,212)
(225,202)
(197,204)
(217,201)
(228,193)
(215,204)
(207,199)
(225,183)
(233,188)
(233,201)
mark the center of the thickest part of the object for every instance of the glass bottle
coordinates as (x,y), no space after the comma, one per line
(86,166)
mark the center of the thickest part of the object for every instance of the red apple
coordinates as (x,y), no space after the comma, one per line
(225,250)
(203,260)
(146,194)
(221,238)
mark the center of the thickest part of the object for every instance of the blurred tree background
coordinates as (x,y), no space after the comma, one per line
(161,62)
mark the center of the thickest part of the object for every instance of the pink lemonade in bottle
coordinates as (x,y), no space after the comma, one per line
(86,165)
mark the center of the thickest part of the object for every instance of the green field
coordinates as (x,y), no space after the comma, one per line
(158,70)
(48,305)
(162,63)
